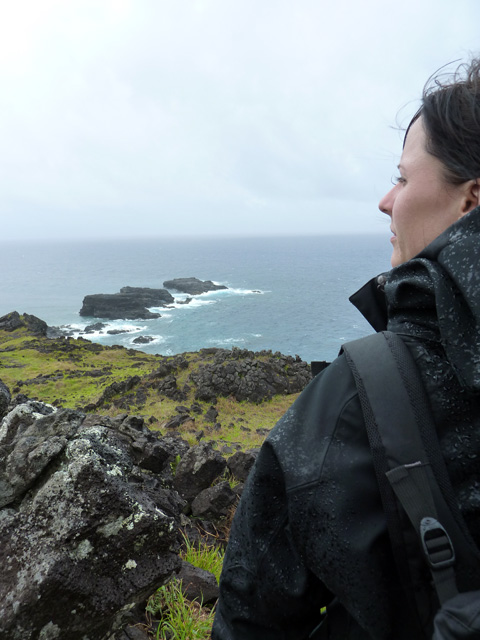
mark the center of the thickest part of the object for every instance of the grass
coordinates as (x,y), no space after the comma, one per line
(203,556)
(170,615)
(74,373)
(175,617)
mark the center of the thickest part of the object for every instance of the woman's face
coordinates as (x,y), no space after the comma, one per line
(422,204)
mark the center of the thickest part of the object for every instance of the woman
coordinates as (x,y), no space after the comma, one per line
(310,529)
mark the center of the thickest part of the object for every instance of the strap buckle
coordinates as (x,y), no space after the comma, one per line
(436,543)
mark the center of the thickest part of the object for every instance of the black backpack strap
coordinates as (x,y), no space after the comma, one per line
(411,484)
(396,411)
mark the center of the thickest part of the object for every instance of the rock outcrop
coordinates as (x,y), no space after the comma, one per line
(12,321)
(90,510)
(193,286)
(130,304)
(88,528)
(244,375)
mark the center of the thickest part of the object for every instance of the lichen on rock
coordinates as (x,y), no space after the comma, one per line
(85,532)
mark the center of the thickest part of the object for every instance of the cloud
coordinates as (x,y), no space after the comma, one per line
(155,116)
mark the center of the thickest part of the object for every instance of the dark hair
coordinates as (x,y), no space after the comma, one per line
(450,114)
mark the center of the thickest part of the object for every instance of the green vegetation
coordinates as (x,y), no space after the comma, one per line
(78,374)
(172,617)
(203,556)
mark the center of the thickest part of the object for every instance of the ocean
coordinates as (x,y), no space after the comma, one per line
(284,294)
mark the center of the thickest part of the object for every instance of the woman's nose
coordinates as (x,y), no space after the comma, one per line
(386,203)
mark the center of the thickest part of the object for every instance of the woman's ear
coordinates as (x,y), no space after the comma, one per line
(471,197)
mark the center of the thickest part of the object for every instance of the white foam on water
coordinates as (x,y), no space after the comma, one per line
(226,341)
(115,325)
(194,303)
(242,292)
(156,340)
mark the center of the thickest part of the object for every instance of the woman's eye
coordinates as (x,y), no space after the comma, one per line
(398,180)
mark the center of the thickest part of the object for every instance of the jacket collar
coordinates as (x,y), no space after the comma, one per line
(370,301)
(435,296)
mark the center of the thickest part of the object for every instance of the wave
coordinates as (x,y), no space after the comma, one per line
(232,291)
(194,303)
(226,341)
(156,340)
(243,292)
(119,327)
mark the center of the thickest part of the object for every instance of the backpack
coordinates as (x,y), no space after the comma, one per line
(411,472)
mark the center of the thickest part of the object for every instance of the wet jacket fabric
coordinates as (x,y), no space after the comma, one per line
(310,529)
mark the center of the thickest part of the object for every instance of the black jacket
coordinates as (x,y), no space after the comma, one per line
(310,528)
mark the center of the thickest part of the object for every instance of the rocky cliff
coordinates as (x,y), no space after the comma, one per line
(94,503)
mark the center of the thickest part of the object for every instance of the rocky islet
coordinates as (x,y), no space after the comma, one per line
(133,303)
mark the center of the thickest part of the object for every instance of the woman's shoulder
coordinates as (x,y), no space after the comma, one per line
(327,408)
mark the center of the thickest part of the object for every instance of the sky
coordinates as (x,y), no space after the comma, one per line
(158,118)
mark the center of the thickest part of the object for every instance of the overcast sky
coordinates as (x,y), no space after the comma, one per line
(124,118)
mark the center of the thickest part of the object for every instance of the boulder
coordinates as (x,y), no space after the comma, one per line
(143,340)
(198,584)
(133,633)
(177,421)
(87,527)
(211,415)
(214,503)
(193,286)
(197,469)
(241,462)
(35,325)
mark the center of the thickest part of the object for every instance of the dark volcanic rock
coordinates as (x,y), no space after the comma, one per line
(176,421)
(154,297)
(143,339)
(192,286)
(214,502)
(12,321)
(241,462)
(130,304)
(85,533)
(245,376)
(5,398)
(37,326)
(197,470)
(98,326)
(198,584)
(211,415)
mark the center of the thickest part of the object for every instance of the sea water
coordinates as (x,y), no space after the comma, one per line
(284,294)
